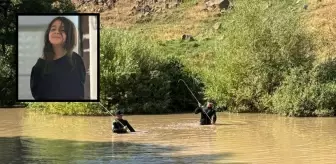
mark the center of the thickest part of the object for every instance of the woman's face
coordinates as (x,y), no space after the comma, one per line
(57,34)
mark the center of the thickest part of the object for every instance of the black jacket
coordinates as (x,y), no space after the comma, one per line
(61,79)
(118,126)
(205,112)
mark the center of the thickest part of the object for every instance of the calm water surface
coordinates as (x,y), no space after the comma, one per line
(178,138)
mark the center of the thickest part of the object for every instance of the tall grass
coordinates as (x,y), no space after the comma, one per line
(262,59)
(307,92)
(263,42)
(140,79)
(136,78)
(67,108)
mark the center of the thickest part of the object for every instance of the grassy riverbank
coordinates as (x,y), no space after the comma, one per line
(260,57)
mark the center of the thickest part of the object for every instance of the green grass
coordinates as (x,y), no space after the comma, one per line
(262,59)
(63,108)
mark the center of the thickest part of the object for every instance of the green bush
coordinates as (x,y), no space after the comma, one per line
(307,92)
(136,79)
(140,79)
(67,108)
(260,41)
(262,60)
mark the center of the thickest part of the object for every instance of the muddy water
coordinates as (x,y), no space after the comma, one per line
(237,138)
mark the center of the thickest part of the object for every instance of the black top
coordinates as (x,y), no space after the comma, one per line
(118,112)
(205,112)
(60,80)
(118,126)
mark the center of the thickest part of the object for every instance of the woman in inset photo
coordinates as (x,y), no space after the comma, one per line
(60,73)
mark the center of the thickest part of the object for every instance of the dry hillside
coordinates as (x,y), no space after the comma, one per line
(321,19)
(169,19)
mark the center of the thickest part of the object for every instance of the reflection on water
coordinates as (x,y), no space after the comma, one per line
(31,150)
(237,138)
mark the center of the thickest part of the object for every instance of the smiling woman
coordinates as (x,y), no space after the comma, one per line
(60,73)
(58,58)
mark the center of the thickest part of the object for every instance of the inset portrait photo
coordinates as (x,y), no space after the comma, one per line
(58,57)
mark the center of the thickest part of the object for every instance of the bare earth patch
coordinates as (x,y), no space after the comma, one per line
(321,20)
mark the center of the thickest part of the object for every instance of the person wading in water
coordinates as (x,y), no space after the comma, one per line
(120,125)
(208,114)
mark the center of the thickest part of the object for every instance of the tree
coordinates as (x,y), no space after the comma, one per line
(8,36)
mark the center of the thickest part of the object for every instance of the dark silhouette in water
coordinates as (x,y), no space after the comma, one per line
(208,114)
(120,125)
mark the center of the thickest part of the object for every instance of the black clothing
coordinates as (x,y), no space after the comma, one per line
(205,120)
(60,79)
(118,112)
(118,127)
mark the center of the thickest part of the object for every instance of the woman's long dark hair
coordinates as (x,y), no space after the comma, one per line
(69,44)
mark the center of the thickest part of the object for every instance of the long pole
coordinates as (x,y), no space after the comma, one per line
(110,113)
(194,97)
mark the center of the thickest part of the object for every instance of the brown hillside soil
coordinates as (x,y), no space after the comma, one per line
(164,24)
(189,18)
(321,19)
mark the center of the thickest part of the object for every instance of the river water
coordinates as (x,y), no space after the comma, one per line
(27,137)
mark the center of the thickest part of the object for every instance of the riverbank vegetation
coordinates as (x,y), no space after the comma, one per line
(261,57)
